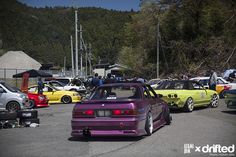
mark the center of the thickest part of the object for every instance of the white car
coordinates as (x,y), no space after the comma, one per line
(11,99)
(70,87)
(221,83)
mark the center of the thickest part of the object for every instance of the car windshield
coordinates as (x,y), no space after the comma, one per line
(172,85)
(54,88)
(56,84)
(7,86)
(120,92)
(64,81)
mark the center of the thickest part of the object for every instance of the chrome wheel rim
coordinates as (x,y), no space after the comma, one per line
(214,101)
(190,104)
(13,107)
(66,99)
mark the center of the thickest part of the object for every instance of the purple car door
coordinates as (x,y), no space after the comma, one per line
(156,101)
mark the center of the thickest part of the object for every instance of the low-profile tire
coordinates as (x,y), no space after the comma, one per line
(5,115)
(214,101)
(13,106)
(149,124)
(189,105)
(66,99)
(167,116)
(31,104)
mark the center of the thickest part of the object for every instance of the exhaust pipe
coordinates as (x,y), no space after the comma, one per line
(86,133)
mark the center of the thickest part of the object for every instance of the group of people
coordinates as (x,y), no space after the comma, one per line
(98,81)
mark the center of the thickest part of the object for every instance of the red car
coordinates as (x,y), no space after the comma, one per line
(37,100)
(120,109)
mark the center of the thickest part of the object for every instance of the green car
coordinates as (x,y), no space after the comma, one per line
(186,94)
(230,98)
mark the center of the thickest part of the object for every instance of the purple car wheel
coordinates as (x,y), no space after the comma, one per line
(167,117)
(149,124)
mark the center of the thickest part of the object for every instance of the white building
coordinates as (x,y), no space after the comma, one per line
(14,62)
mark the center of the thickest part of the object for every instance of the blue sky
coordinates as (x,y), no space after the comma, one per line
(124,5)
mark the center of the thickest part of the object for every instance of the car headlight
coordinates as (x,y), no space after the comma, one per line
(41,97)
(22,96)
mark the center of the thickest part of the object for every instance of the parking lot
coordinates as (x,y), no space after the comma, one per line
(201,127)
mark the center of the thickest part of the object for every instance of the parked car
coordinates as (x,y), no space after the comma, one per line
(221,87)
(186,94)
(35,100)
(154,82)
(120,109)
(12,100)
(55,95)
(70,87)
(230,99)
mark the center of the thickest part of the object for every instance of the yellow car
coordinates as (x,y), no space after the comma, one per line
(57,96)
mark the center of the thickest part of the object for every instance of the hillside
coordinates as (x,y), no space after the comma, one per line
(44,33)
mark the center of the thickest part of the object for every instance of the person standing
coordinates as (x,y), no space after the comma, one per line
(109,79)
(212,80)
(40,86)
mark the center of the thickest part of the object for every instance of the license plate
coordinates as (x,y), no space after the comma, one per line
(103,113)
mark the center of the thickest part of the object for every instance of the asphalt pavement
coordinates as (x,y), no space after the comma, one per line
(202,127)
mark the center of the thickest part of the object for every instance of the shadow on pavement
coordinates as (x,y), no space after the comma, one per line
(230,112)
(196,109)
(105,139)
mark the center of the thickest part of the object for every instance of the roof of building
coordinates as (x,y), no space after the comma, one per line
(18,60)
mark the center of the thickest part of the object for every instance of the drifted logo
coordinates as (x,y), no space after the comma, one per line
(214,150)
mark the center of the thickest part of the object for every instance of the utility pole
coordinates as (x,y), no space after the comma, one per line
(64,65)
(86,60)
(81,51)
(158,50)
(72,56)
(89,58)
(76,44)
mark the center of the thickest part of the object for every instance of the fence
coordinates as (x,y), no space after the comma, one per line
(7,76)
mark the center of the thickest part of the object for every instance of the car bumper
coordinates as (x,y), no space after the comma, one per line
(231,104)
(175,104)
(42,105)
(105,127)
(76,99)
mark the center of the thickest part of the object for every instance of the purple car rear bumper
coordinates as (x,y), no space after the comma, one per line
(108,126)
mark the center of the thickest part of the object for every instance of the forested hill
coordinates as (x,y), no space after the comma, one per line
(195,35)
(44,33)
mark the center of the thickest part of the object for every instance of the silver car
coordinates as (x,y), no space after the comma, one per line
(11,99)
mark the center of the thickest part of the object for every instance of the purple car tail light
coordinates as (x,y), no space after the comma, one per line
(118,112)
(83,113)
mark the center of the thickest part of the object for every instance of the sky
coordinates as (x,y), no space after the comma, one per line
(123,5)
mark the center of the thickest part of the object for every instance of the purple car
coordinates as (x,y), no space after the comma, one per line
(120,109)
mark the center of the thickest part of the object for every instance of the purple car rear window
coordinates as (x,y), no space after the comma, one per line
(116,93)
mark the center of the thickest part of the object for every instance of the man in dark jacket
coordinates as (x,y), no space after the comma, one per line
(109,79)
(95,81)
(40,86)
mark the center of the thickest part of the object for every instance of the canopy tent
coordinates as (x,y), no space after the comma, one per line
(33,73)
